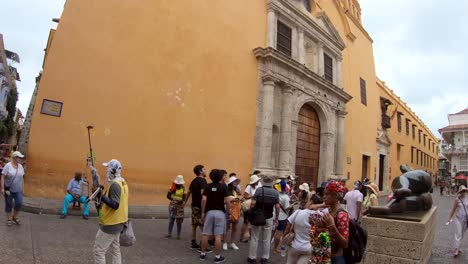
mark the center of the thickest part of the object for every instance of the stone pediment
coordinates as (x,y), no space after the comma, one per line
(326,24)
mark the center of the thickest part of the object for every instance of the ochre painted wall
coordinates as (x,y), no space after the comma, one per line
(407,141)
(167,85)
(362,121)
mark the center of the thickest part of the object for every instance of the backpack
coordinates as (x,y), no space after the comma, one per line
(357,241)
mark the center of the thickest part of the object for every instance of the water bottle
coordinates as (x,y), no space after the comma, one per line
(283,251)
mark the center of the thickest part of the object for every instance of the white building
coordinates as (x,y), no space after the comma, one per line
(455,144)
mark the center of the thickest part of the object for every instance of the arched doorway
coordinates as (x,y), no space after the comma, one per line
(308,145)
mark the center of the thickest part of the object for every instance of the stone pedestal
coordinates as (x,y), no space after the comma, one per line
(399,241)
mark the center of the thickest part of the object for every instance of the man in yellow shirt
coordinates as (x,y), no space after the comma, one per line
(114,214)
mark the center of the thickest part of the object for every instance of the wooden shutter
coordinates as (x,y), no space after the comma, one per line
(283,39)
(328,66)
(363,91)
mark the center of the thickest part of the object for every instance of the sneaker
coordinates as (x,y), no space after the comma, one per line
(202,256)
(225,247)
(207,250)
(264,261)
(85,217)
(195,246)
(63,216)
(220,259)
(252,261)
(234,246)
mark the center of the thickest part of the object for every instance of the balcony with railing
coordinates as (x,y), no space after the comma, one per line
(451,150)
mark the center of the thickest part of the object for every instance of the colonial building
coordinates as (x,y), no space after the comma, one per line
(284,86)
(455,144)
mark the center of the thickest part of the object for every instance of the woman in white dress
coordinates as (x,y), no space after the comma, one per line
(460,210)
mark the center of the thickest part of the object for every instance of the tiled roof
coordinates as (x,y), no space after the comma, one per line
(453,127)
(462,112)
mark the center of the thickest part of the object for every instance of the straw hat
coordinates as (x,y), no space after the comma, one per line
(233,179)
(254,179)
(304,187)
(179,179)
(462,189)
(374,188)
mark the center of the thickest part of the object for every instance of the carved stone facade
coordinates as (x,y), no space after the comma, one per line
(287,83)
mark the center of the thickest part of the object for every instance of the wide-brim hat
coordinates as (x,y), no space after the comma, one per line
(233,179)
(179,179)
(304,187)
(268,180)
(283,177)
(374,188)
(254,179)
(462,189)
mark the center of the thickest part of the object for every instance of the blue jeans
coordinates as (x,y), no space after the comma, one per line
(69,199)
(18,197)
(338,260)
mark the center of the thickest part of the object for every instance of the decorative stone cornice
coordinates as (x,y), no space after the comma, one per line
(288,89)
(269,78)
(272,56)
(341,113)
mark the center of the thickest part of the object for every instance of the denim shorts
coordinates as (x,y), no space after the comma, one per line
(17,197)
(215,223)
(282,225)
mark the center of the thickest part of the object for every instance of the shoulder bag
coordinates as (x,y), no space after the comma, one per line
(7,188)
(257,215)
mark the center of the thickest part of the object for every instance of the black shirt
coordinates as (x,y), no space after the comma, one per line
(196,186)
(215,193)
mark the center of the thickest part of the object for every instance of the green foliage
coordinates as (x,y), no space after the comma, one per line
(7,126)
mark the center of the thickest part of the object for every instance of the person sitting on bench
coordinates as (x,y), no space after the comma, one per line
(74,194)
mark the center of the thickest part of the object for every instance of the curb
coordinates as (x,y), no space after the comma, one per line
(53,207)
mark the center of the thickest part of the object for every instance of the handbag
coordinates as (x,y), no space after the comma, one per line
(288,238)
(234,210)
(127,237)
(466,214)
(257,215)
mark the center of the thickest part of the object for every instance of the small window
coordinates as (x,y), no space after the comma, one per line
(363,91)
(412,154)
(419,135)
(283,39)
(328,66)
(399,121)
(407,126)
(424,137)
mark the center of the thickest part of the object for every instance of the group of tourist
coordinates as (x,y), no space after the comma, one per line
(296,218)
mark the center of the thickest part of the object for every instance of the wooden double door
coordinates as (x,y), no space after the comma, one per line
(308,145)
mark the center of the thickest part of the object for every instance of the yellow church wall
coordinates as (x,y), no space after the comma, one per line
(166,86)
(361,120)
(404,140)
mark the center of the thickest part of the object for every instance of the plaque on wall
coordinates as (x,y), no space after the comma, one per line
(52,108)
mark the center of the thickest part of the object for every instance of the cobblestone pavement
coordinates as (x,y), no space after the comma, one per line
(47,239)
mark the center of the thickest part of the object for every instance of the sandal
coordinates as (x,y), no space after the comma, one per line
(9,223)
(17,221)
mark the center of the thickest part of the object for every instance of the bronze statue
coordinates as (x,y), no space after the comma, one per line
(410,193)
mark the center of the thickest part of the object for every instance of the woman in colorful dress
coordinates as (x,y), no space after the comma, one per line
(337,221)
(460,210)
(177,195)
(371,198)
(234,214)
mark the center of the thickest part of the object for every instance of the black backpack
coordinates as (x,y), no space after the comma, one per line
(357,241)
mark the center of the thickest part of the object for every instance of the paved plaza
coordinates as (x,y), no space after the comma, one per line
(47,239)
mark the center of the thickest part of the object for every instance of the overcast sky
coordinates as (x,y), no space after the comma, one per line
(419,48)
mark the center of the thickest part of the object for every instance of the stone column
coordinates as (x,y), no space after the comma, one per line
(271,28)
(301,47)
(285,132)
(339,73)
(320,60)
(266,123)
(327,156)
(339,156)
(294,125)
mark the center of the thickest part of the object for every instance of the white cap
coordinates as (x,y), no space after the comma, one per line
(112,164)
(17,154)
(179,179)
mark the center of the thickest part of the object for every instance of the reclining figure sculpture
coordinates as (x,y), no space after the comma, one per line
(410,193)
